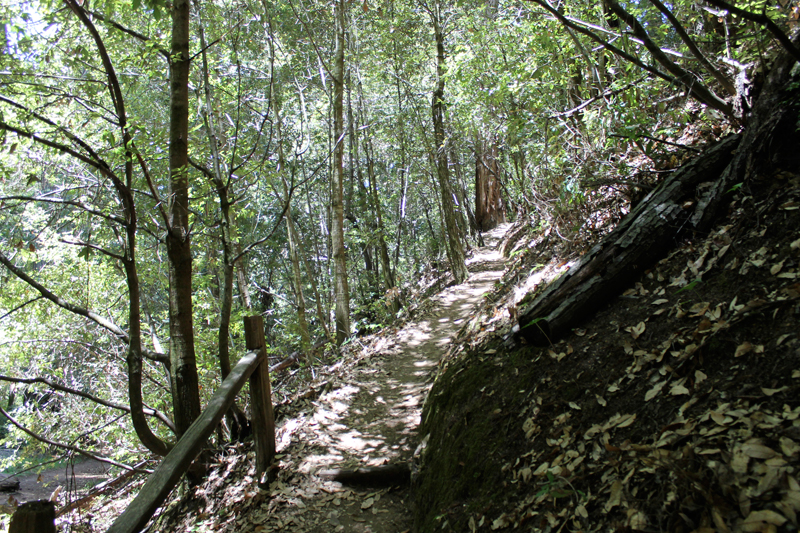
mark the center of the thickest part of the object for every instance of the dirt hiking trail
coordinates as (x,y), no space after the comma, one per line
(366,416)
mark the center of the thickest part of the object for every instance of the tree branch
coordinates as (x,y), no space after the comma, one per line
(73,203)
(128,31)
(20,306)
(121,407)
(610,92)
(686,78)
(94,247)
(157,199)
(761,19)
(679,29)
(94,317)
(697,89)
(63,446)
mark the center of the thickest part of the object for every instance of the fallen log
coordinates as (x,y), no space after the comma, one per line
(688,200)
(373,476)
(9,485)
(644,235)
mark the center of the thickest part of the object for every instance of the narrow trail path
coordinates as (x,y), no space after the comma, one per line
(369,417)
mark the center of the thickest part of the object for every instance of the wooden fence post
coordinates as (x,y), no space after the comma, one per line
(34,517)
(262,415)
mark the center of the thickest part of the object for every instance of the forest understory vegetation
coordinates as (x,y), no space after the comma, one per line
(673,408)
(630,362)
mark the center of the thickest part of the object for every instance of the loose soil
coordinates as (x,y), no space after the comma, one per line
(71,480)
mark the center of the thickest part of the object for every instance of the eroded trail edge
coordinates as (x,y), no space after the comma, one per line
(368,417)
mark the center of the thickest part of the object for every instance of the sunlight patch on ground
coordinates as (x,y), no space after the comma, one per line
(543,275)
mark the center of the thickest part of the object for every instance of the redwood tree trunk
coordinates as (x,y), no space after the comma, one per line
(489,208)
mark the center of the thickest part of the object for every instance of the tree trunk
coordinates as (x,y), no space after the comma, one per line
(185,388)
(455,246)
(125,193)
(34,517)
(489,208)
(297,275)
(386,266)
(341,289)
(237,420)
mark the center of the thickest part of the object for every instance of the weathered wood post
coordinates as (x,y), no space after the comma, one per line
(261,415)
(34,517)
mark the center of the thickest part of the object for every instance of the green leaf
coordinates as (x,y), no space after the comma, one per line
(690,286)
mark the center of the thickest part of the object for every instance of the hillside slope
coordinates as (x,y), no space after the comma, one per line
(673,408)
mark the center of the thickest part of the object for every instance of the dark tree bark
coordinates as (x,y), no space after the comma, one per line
(184,380)
(455,240)
(489,207)
(341,287)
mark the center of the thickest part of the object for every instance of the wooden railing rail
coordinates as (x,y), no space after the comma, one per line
(161,482)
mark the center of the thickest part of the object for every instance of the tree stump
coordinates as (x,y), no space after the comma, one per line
(34,517)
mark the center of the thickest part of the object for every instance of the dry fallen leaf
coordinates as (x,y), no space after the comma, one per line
(652,393)
(753,448)
(761,520)
(616,495)
(637,330)
(678,389)
(742,349)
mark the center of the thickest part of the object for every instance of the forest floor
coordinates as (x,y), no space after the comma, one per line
(363,411)
(675,407)
(73,478)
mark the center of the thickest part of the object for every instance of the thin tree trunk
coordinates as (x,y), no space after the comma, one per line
(236,418)
(455,247)
(341,289)
(185,387)
(489,208)
(300,300)
(125,193)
